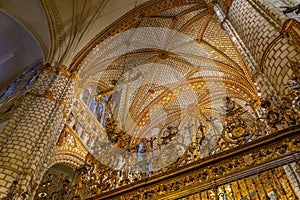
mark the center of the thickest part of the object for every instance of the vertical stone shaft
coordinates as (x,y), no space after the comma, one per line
(34,129)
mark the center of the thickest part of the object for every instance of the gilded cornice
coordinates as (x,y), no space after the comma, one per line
(59,69)
(280,147)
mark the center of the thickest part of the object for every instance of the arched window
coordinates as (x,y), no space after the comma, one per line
(31,75)
(20,84)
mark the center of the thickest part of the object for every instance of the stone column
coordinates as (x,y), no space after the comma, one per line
(270,38)
(34,129)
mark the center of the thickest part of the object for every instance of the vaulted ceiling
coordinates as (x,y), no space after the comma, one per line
(170,61)
(172,68)
(18,50)
(51,31)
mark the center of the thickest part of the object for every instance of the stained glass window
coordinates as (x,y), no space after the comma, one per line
(22,83)
(100,112)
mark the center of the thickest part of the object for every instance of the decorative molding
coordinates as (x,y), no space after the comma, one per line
(59,69)
(228,5)
(293,32)
(15,170)
(69,143)
(182,181)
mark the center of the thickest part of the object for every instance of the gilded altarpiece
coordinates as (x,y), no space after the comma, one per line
(257,170)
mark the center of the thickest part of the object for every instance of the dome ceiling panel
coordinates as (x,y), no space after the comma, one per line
(205,58)
(75,23)
(189,15)
(175,69)
(186,19)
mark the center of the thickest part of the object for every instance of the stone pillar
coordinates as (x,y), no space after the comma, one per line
(34,129)
(270,38)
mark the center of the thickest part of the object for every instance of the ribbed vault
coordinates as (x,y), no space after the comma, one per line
(176,68)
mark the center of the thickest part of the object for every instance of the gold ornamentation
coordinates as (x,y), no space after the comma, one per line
(162,54)
(16,192)
(58,69)
(169,135)
(69,142)
(125,141)
(174,184)
(236,128)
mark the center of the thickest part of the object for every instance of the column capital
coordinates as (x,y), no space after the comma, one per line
(59,69)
